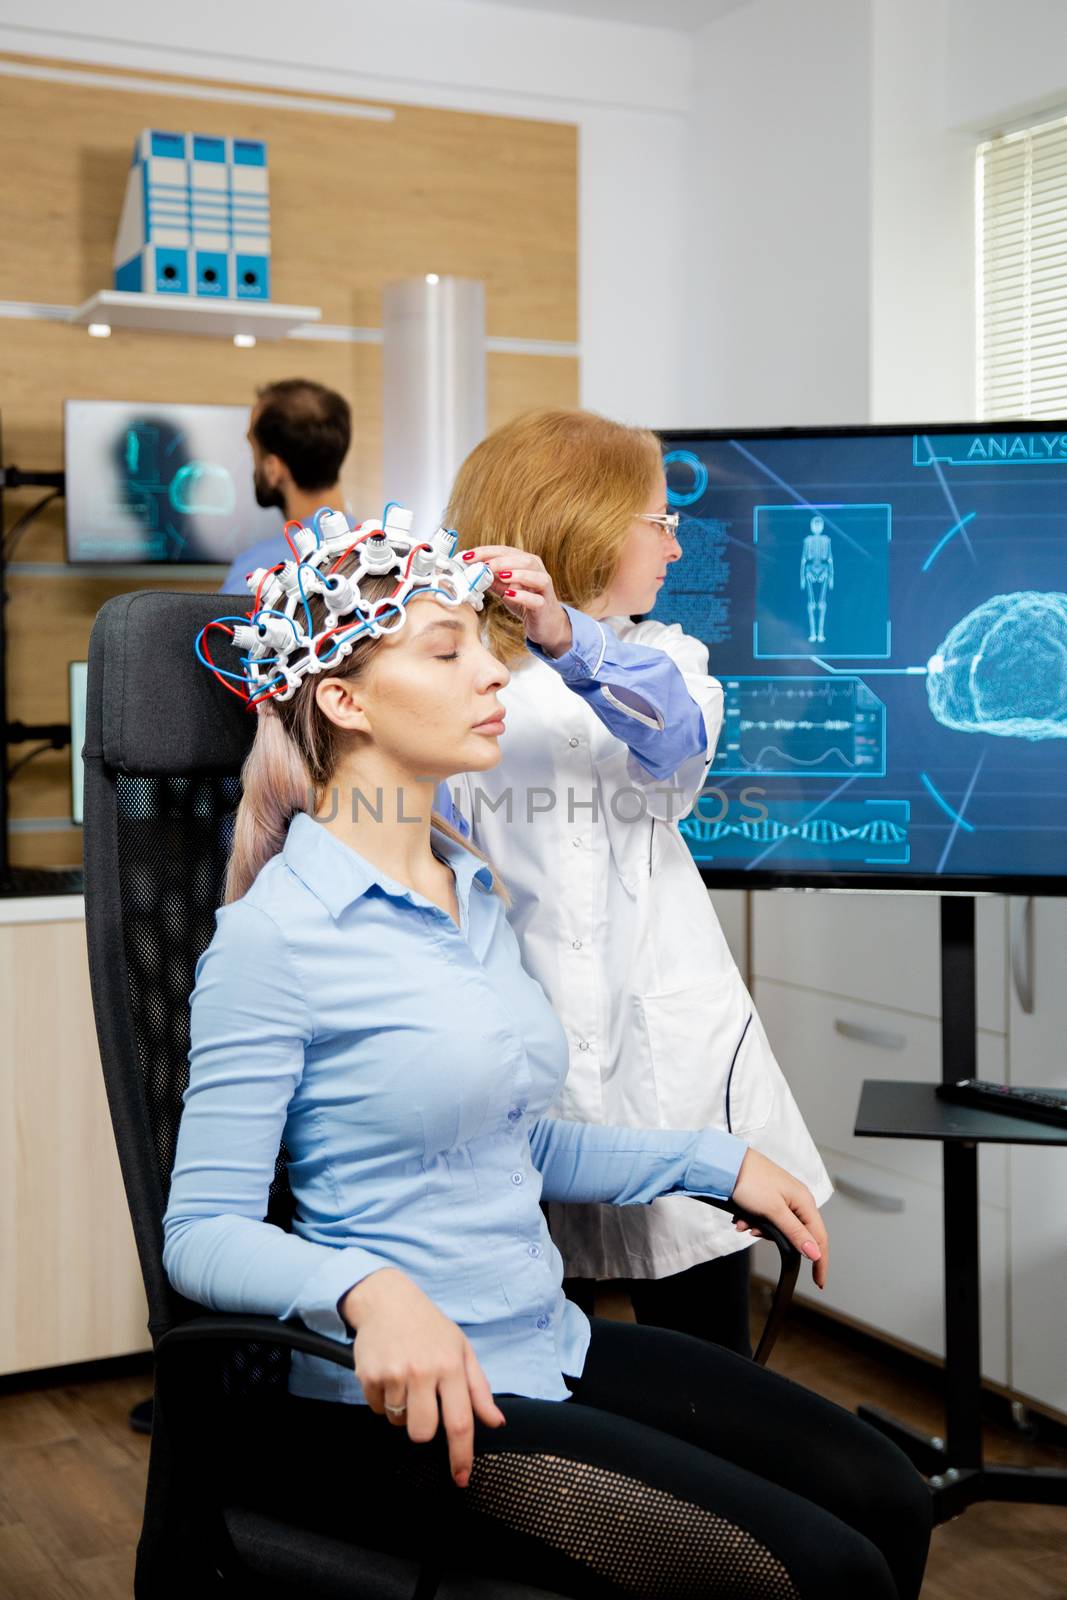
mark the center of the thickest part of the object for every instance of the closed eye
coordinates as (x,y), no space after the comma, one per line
(453,657)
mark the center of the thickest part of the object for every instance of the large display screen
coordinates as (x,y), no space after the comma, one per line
(887,612)
(166,483)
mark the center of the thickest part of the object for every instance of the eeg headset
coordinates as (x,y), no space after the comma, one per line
(277,637)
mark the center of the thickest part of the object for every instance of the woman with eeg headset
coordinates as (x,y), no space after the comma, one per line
(611,727)
(362,1001)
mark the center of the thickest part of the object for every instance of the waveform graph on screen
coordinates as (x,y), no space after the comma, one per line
(813,727)
(840,833)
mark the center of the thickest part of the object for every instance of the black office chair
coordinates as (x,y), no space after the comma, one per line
(164,746)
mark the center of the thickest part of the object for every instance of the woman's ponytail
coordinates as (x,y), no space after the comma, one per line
(276,785)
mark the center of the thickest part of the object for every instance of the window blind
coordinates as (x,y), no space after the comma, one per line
(1022,273)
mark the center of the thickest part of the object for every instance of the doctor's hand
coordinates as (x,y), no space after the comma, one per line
(414,1363)
(769,1191)
(523,586)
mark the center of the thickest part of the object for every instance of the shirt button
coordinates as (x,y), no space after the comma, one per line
(576,944)
(514,1114)
(516,1177)
(583,1044)
(542,1322)
(534,1250)
(577,843)
(574,743)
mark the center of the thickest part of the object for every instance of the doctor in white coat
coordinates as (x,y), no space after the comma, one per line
(611,725)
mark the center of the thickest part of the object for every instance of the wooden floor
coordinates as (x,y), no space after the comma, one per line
(72,1483)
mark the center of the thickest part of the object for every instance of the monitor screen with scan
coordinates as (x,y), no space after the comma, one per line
(160,483)
(886,609)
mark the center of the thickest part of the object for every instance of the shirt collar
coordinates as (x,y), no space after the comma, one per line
(338,875)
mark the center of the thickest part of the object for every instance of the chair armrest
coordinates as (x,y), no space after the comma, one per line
(788,1269)
(234,1328)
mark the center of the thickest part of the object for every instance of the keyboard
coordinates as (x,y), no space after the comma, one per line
(30,881)
(1040,1105)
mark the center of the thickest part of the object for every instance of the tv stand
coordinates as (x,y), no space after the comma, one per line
(958,1473)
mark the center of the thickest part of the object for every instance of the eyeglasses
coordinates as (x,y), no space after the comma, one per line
(666,521)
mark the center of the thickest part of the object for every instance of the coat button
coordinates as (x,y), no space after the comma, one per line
(516,1177)
(576,944)
(574,743)
(514,1114)
(577,843)
(583,1044)
(542,1322)
(534,1250)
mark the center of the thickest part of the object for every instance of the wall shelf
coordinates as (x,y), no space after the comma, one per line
(188,313)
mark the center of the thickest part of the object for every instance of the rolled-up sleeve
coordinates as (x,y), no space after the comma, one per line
(249,1028)
(653,691)
(582,1162)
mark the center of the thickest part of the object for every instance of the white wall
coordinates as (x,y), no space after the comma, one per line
(625,87)
(1004,61)
(777,197)
(922,285)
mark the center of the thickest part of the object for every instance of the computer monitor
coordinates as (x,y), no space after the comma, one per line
(886,609)
(78,672)
(160,483)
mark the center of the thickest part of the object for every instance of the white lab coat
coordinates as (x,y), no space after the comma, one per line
(614,921)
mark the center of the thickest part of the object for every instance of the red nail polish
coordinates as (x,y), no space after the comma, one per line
(467,554)
(503,574)
(509,591)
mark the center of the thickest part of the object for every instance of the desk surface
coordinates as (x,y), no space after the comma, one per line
(890,1110)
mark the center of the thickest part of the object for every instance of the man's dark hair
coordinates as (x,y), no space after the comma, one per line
(308,426)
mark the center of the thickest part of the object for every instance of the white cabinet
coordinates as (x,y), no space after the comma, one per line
(731,908)
(848,986)
(885,948)
(71,1284)
(1037,1050)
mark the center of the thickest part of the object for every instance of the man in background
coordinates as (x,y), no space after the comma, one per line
(299,432)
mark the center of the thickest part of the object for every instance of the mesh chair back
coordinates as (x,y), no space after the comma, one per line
(163,753)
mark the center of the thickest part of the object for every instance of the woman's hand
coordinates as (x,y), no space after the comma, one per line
(410,1360)
(768,1190)
(522,584)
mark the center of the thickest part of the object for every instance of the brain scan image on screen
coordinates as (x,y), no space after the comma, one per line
(886,610)
(1003,669)
(170,483)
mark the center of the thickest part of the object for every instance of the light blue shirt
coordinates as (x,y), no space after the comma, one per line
(409,1065)
(267,553)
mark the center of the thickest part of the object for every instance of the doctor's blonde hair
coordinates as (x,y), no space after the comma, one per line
(563,485)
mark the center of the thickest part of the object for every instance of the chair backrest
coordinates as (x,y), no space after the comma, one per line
(164,745)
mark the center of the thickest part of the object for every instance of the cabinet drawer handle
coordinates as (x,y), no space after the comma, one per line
(881,1038)
(866,1197)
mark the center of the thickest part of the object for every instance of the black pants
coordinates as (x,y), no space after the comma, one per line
(677,1471)
(708,1301)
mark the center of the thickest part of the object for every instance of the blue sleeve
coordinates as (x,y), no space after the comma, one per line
(581,1161)
(639,694)
(249,1027)
(234,581)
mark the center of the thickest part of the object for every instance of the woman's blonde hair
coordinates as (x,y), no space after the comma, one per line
(294,756)
(563,485)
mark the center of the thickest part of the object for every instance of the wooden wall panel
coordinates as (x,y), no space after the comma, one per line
(355,204)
